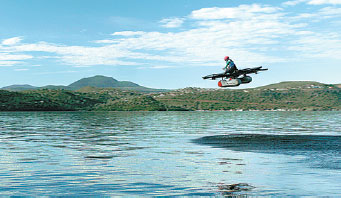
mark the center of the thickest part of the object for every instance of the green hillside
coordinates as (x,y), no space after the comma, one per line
(143,89)
(45,100)
(300,96)
(297,85)
(265,98)
(105,94)
(140,103)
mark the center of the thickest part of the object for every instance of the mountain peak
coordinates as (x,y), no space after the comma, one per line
(101,76)
(101,82)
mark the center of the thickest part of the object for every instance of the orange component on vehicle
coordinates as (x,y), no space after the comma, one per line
(219,83)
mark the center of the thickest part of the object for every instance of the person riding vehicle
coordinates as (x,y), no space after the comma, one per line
(233,77)
(230,66)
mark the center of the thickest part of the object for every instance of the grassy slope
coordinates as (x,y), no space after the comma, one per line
(269,97)
(140,103)
(293,84)
(45,100)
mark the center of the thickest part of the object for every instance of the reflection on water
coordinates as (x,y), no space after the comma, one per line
(157,153)
(322,151)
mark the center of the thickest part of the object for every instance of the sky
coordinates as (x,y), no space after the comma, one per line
(168,44)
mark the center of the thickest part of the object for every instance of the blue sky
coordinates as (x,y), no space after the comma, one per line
(168,44)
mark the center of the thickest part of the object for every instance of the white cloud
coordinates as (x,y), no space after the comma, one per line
(9,57)
(172,22)
(305,16)
(11,41)
(8,63)
(20,69)
(312,2)
(319,15)
(157,67)
(106,41)
(128,33)
(241,11)
(78,55)
(293,3)
(330,12)
(321,2)
(318,46)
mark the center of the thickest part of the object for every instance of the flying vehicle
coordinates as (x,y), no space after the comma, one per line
(236,78)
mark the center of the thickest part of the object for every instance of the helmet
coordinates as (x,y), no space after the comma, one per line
(226,58)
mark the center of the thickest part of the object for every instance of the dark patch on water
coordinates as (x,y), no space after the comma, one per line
(321,151)
(270,143)
(229,189)
(100,157)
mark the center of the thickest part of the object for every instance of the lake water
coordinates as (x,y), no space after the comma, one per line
(170,153)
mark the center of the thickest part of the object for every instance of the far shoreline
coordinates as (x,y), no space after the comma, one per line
(290,110)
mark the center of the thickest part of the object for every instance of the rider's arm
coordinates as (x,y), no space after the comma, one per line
(228,64)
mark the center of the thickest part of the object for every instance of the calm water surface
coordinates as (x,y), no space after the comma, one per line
(170,153)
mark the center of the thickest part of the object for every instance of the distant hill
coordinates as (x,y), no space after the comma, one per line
(109,82)
(54,87)
(101,82)
(95,81)
(19,87)
(295,84)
